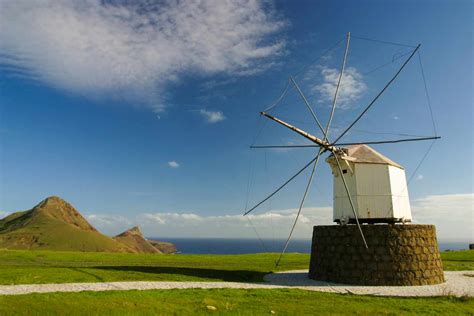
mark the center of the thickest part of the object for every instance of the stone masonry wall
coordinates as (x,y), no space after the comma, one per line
(397,255)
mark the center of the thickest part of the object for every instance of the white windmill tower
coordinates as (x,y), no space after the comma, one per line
(377,185)
(368,188)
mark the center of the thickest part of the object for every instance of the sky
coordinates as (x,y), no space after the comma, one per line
(143,112)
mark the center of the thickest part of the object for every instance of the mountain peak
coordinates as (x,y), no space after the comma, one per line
(53,200)
(134,239)
(56,207)
(134,231)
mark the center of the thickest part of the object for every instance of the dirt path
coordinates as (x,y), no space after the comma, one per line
(458,283)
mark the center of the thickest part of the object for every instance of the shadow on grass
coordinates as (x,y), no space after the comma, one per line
(82,270)
(218,275)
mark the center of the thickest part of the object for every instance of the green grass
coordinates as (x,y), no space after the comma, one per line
(458,260)
(23,267)
(227,301)
(20,267)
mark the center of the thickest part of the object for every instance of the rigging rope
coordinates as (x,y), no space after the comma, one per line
(353,129)
(270,201)
(307,104)
(311,177)
(432,121)
(425,155)
(382,42)
(428,99)
(256,233)
(386,64)
(427,94)
(318,58)
(282,186)
(416,170)
(421,162)
(274,104)
(378,95)
(249,180)
(251,160)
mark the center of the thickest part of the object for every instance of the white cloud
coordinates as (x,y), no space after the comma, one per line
(133,49)
(107,222)
(270,224)
(352,86)
(396,118)
(173,164)
(419,177)
(453,215)
(212,116)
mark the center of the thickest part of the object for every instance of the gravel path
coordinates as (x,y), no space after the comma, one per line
(458,283)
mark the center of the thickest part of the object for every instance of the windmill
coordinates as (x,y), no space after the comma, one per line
(351,163)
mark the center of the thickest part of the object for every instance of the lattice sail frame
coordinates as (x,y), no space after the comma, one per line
(333,147)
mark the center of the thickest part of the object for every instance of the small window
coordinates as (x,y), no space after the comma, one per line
(344,171)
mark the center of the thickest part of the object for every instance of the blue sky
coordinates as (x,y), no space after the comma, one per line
(144,113)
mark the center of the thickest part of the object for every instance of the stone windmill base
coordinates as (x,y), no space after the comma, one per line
(397,255)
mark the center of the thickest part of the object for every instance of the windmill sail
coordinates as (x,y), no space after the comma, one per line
(346,163)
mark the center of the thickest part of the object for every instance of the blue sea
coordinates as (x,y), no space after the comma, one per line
(239,246)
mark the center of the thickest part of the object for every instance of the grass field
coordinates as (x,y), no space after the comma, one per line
(458,260)
(227,301)
(20,267)
(23,267)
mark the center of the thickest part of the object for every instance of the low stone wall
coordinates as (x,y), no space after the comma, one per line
(397,255)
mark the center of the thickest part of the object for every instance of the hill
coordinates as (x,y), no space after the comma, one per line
(163,246)
(134,239)
(54,224)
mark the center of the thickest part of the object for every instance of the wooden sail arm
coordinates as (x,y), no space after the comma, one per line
(307,135)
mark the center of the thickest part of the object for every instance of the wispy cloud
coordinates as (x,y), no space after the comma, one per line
(212,116)
(110,223)
(419,177)
(132,49)
(174,224)
(352,86)
(213,84)
(453,215)
(173,164)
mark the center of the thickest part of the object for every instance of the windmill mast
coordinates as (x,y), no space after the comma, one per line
(314,139)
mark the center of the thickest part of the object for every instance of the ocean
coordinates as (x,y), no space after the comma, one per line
(240,246)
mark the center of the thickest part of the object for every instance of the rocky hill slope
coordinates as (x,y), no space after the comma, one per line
(134,239)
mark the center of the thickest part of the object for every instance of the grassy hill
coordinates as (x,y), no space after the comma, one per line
(54,224)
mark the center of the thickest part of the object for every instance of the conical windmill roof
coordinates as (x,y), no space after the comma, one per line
(366,154)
